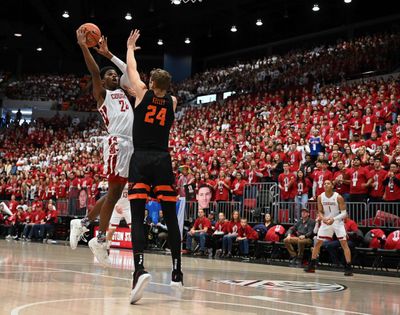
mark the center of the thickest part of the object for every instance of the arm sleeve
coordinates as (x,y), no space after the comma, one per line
(119,63)
(340,216)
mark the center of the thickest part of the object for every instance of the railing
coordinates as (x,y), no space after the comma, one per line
(258,199)
(261,198)
(226,207)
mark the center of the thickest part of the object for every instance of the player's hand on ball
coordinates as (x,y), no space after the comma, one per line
(133,37)
(103,48)
(81,36)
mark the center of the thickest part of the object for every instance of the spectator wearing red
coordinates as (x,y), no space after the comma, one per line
(319,178)
(360,180)
(246,236)
(238,187)
(230,237)
(341,181)
(392,184)
(275,233)
(393,240)
(303,186)
(221,229)
(330,140)
(253,175)
(223,187)
(368,124)
(200,231)
(377,189)
(287,184)
(373,142)
(294,158)
(12,205)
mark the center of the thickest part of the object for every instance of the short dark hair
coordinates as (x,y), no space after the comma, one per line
(205,186)
(104,70)
(161,78)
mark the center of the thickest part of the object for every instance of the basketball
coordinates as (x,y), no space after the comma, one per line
(94,34)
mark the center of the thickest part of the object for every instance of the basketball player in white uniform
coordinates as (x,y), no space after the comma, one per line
(331,212)
(122,210)
(117,115)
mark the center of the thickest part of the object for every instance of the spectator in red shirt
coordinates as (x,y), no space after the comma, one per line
(320,177)
(378,174)
(222,188)
(221,229)
(200,231)
(238,187)
(368,124)
(287,184)
(392,184)
(341,181)
(245,235)
(303,186)
(230,237)
(47,228)
(359,181)
(294,158)
(36,218)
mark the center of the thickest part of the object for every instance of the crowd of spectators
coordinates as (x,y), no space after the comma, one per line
(54,161)
(300,68)
(348,133)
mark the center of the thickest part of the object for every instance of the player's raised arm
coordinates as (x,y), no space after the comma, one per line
(137,84)
(99,93)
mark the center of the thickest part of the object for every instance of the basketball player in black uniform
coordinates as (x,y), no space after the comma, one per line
(150,168)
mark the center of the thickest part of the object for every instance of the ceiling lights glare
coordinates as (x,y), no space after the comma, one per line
(128,16)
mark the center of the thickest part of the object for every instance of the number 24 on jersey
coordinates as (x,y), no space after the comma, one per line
(152,111)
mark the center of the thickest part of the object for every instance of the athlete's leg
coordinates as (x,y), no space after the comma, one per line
(95,212)
(346,250)
(316,249)
(115,189)
(110,233)
(138,195)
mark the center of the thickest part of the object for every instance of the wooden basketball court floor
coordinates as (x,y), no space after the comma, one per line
(39,279)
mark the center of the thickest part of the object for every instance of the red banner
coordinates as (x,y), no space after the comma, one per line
(121,237)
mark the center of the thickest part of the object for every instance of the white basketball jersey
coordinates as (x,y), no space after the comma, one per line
(330,205)
(117,113)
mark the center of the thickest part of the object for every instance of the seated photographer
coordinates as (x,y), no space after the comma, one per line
(160,231)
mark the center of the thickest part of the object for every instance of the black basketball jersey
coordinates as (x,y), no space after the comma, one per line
(153,119)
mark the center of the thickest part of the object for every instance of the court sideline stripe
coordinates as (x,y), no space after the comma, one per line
(16,310)
(217,292)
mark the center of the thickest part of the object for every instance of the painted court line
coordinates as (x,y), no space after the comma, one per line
(220,293)
(16,310)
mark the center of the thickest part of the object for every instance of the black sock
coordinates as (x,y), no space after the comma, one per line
(174,234)
(139,260)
